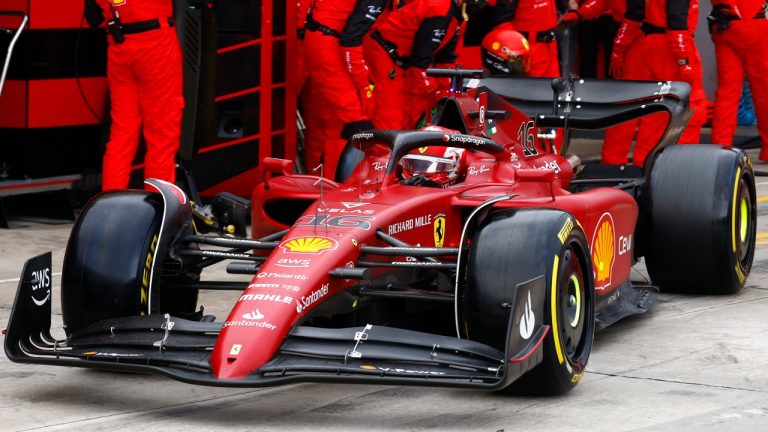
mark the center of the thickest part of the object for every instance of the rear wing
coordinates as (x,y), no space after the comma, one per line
(576,103)
(590,104)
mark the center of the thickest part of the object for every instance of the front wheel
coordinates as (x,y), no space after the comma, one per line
(109,262)
(516,247)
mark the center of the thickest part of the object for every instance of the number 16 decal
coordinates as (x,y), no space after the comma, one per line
(525,137)
(360,222)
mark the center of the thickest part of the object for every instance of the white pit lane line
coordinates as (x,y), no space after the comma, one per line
(2,281)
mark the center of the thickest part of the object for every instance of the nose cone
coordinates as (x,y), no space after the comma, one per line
(292,281)
(250,336)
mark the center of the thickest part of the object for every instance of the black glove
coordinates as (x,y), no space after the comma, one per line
(93,13)
(720,18)
(420,180)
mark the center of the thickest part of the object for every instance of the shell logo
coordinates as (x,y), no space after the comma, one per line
(603,251)
(311,245)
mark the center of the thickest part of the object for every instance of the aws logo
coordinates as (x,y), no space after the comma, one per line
(293,263)
(311,245)
(604,251)
(41,286)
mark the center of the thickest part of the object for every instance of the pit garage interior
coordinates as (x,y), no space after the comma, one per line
(54,118)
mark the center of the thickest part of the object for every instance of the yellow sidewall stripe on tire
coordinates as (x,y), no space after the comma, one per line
(733,212)
(553,308)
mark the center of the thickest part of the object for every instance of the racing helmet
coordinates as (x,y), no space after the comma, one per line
(436,166)
(505,52)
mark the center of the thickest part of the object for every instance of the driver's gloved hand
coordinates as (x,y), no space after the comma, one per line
(420,180)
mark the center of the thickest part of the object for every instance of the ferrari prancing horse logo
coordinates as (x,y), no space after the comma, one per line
(439,224)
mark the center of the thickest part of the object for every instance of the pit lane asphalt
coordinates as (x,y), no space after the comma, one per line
(693,363)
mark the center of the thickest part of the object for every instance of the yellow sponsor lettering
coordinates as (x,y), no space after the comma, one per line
(146,276)
(575,378)
(739,273)
(565,231)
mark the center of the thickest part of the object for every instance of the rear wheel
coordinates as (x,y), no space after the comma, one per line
(703,220)
(516,247)
(109,261)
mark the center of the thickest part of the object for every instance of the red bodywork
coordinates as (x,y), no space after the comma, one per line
(341,218)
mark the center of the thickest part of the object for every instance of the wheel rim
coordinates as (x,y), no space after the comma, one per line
(745,225)
(574,300)
(573,303)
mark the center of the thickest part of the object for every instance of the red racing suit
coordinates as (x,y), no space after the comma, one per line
(592,9)
(302,13)
(400,49)
(668,26)
(308,96)
(598,21)
(535,20)
(626,55)
(740,47)
(144,74)
(338,75)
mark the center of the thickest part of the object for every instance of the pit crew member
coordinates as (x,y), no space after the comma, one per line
(400,49)
(339,75)
(536,21)
(144,74)
(738,29)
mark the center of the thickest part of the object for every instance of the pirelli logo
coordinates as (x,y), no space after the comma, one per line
(565,231)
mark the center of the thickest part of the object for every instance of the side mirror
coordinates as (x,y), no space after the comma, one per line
(270,166)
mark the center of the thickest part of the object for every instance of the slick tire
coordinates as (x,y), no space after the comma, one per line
(109,259)
(703,215)
(515,247)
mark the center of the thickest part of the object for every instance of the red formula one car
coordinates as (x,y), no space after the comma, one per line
(468,254)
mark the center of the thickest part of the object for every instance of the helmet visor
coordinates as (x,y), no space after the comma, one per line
(425,164)
(517,65)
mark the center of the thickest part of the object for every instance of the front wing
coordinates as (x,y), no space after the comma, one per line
(181,349)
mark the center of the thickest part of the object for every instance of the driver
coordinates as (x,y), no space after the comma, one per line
(435,166)
(506,52)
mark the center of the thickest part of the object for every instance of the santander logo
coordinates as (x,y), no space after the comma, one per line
(255,315)
(313,297)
